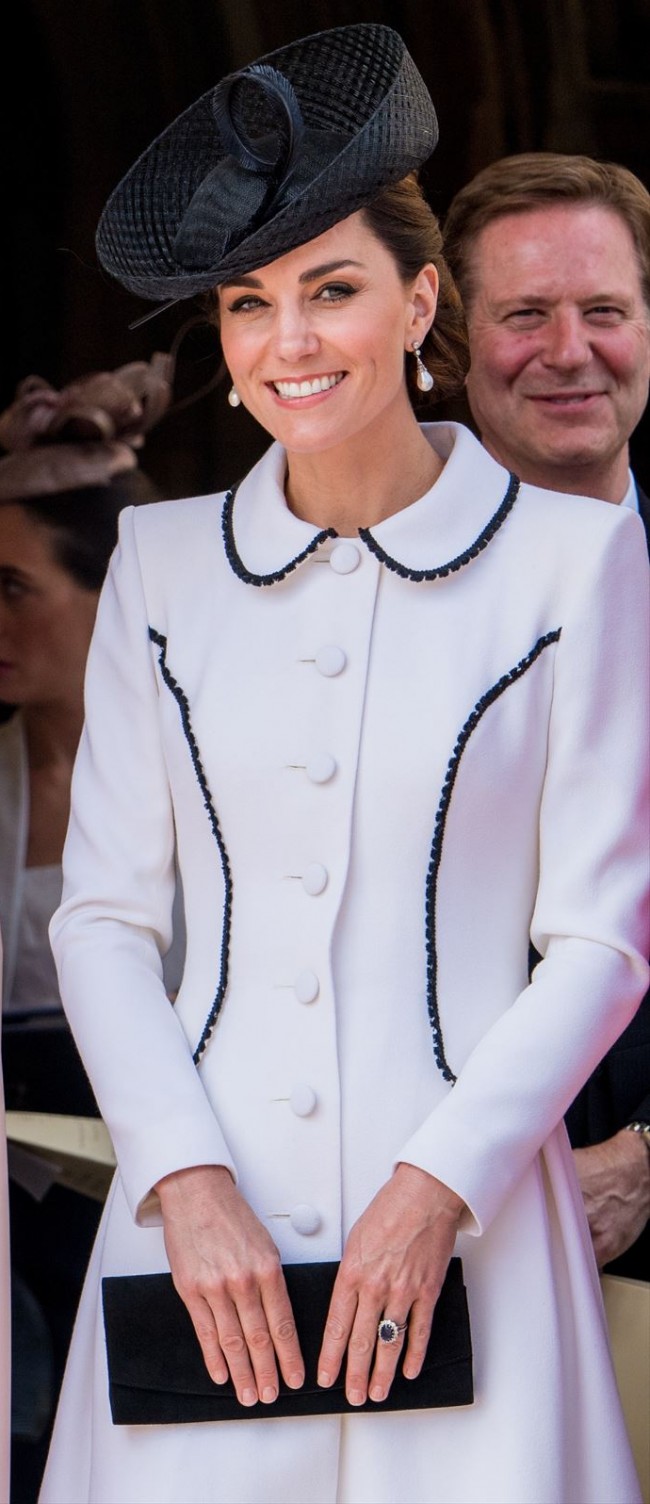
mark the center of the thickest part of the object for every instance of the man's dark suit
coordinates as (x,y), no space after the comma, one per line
(618,1092)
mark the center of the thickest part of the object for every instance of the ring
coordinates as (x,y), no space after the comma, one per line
(388,1331)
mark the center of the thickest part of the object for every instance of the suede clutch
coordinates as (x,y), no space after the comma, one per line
(157,1375)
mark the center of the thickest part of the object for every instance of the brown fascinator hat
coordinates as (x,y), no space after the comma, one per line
(273,156)
(84,434)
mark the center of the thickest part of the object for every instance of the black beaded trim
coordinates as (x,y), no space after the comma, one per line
(236,563)
(436,847)
(184,708)
(441,570)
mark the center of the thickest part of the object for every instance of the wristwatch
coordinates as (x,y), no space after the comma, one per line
(641,1128)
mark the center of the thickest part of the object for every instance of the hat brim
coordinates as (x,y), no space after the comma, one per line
(356,84)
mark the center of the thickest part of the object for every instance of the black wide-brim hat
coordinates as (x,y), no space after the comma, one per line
(273,156)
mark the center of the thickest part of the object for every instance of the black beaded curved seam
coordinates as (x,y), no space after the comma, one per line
(439,829)
(181,700)
(236,563)
(442,570)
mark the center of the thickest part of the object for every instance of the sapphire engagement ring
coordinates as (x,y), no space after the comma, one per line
(388,1331)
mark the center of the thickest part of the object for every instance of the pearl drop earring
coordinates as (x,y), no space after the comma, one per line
(424,379)
(234,397)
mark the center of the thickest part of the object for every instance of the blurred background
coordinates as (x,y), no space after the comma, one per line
(97,80)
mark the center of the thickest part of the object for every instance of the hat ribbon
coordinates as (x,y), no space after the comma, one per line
(241,189)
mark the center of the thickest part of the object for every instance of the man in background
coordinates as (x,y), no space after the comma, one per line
(551,254)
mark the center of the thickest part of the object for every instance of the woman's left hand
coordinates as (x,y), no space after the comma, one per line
(394,1264)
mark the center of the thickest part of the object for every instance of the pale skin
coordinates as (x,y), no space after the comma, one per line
(335,308)
(559,334)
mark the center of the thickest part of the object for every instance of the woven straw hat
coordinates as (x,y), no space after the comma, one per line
(269,159)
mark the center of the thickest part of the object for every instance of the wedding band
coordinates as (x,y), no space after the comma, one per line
(388,1331)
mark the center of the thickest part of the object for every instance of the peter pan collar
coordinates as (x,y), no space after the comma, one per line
(435,536)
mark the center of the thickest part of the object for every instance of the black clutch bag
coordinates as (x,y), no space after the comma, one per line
(157,1375)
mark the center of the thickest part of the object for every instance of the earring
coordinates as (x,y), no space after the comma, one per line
(423,377)
(234,398)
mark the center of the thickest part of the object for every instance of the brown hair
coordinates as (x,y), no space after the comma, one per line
(82,524)
(530,180)
(403,221)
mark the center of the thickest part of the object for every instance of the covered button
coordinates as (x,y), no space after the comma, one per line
(321,767)
(305,1219)
(314,879)
(306,986)
(344,558)
(302,1100)
(330,660)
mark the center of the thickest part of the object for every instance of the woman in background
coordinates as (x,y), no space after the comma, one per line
(69,469)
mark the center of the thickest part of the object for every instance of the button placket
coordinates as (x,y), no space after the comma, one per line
(330,666)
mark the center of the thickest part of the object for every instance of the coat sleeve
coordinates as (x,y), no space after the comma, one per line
(114,923)
(590,920)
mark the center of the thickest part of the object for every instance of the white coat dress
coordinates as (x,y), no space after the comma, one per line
(388,763)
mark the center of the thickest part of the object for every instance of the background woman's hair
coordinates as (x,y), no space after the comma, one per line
(83,523)
(540,179)
(404,222)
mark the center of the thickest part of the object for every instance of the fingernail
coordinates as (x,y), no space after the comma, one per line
(376,1393)
(296,1380)
(269,1394)
(356,1397)
(410,1373)
(324,1378)
(249,1397)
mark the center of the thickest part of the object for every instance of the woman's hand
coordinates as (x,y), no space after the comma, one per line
(393,1266)
(227,1270)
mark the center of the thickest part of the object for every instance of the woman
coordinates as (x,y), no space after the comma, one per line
(373,696)
(69,469)
(53,554)
(59,508)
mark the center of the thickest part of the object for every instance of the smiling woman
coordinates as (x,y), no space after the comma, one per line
(317,354)
(321,335)
(352,696)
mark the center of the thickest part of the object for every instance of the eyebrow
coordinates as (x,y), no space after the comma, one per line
(535,300)
(311,275)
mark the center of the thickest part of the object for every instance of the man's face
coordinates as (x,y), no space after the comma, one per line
(560,346)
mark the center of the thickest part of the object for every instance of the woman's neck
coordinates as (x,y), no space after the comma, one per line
(52,732)
(359,485)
